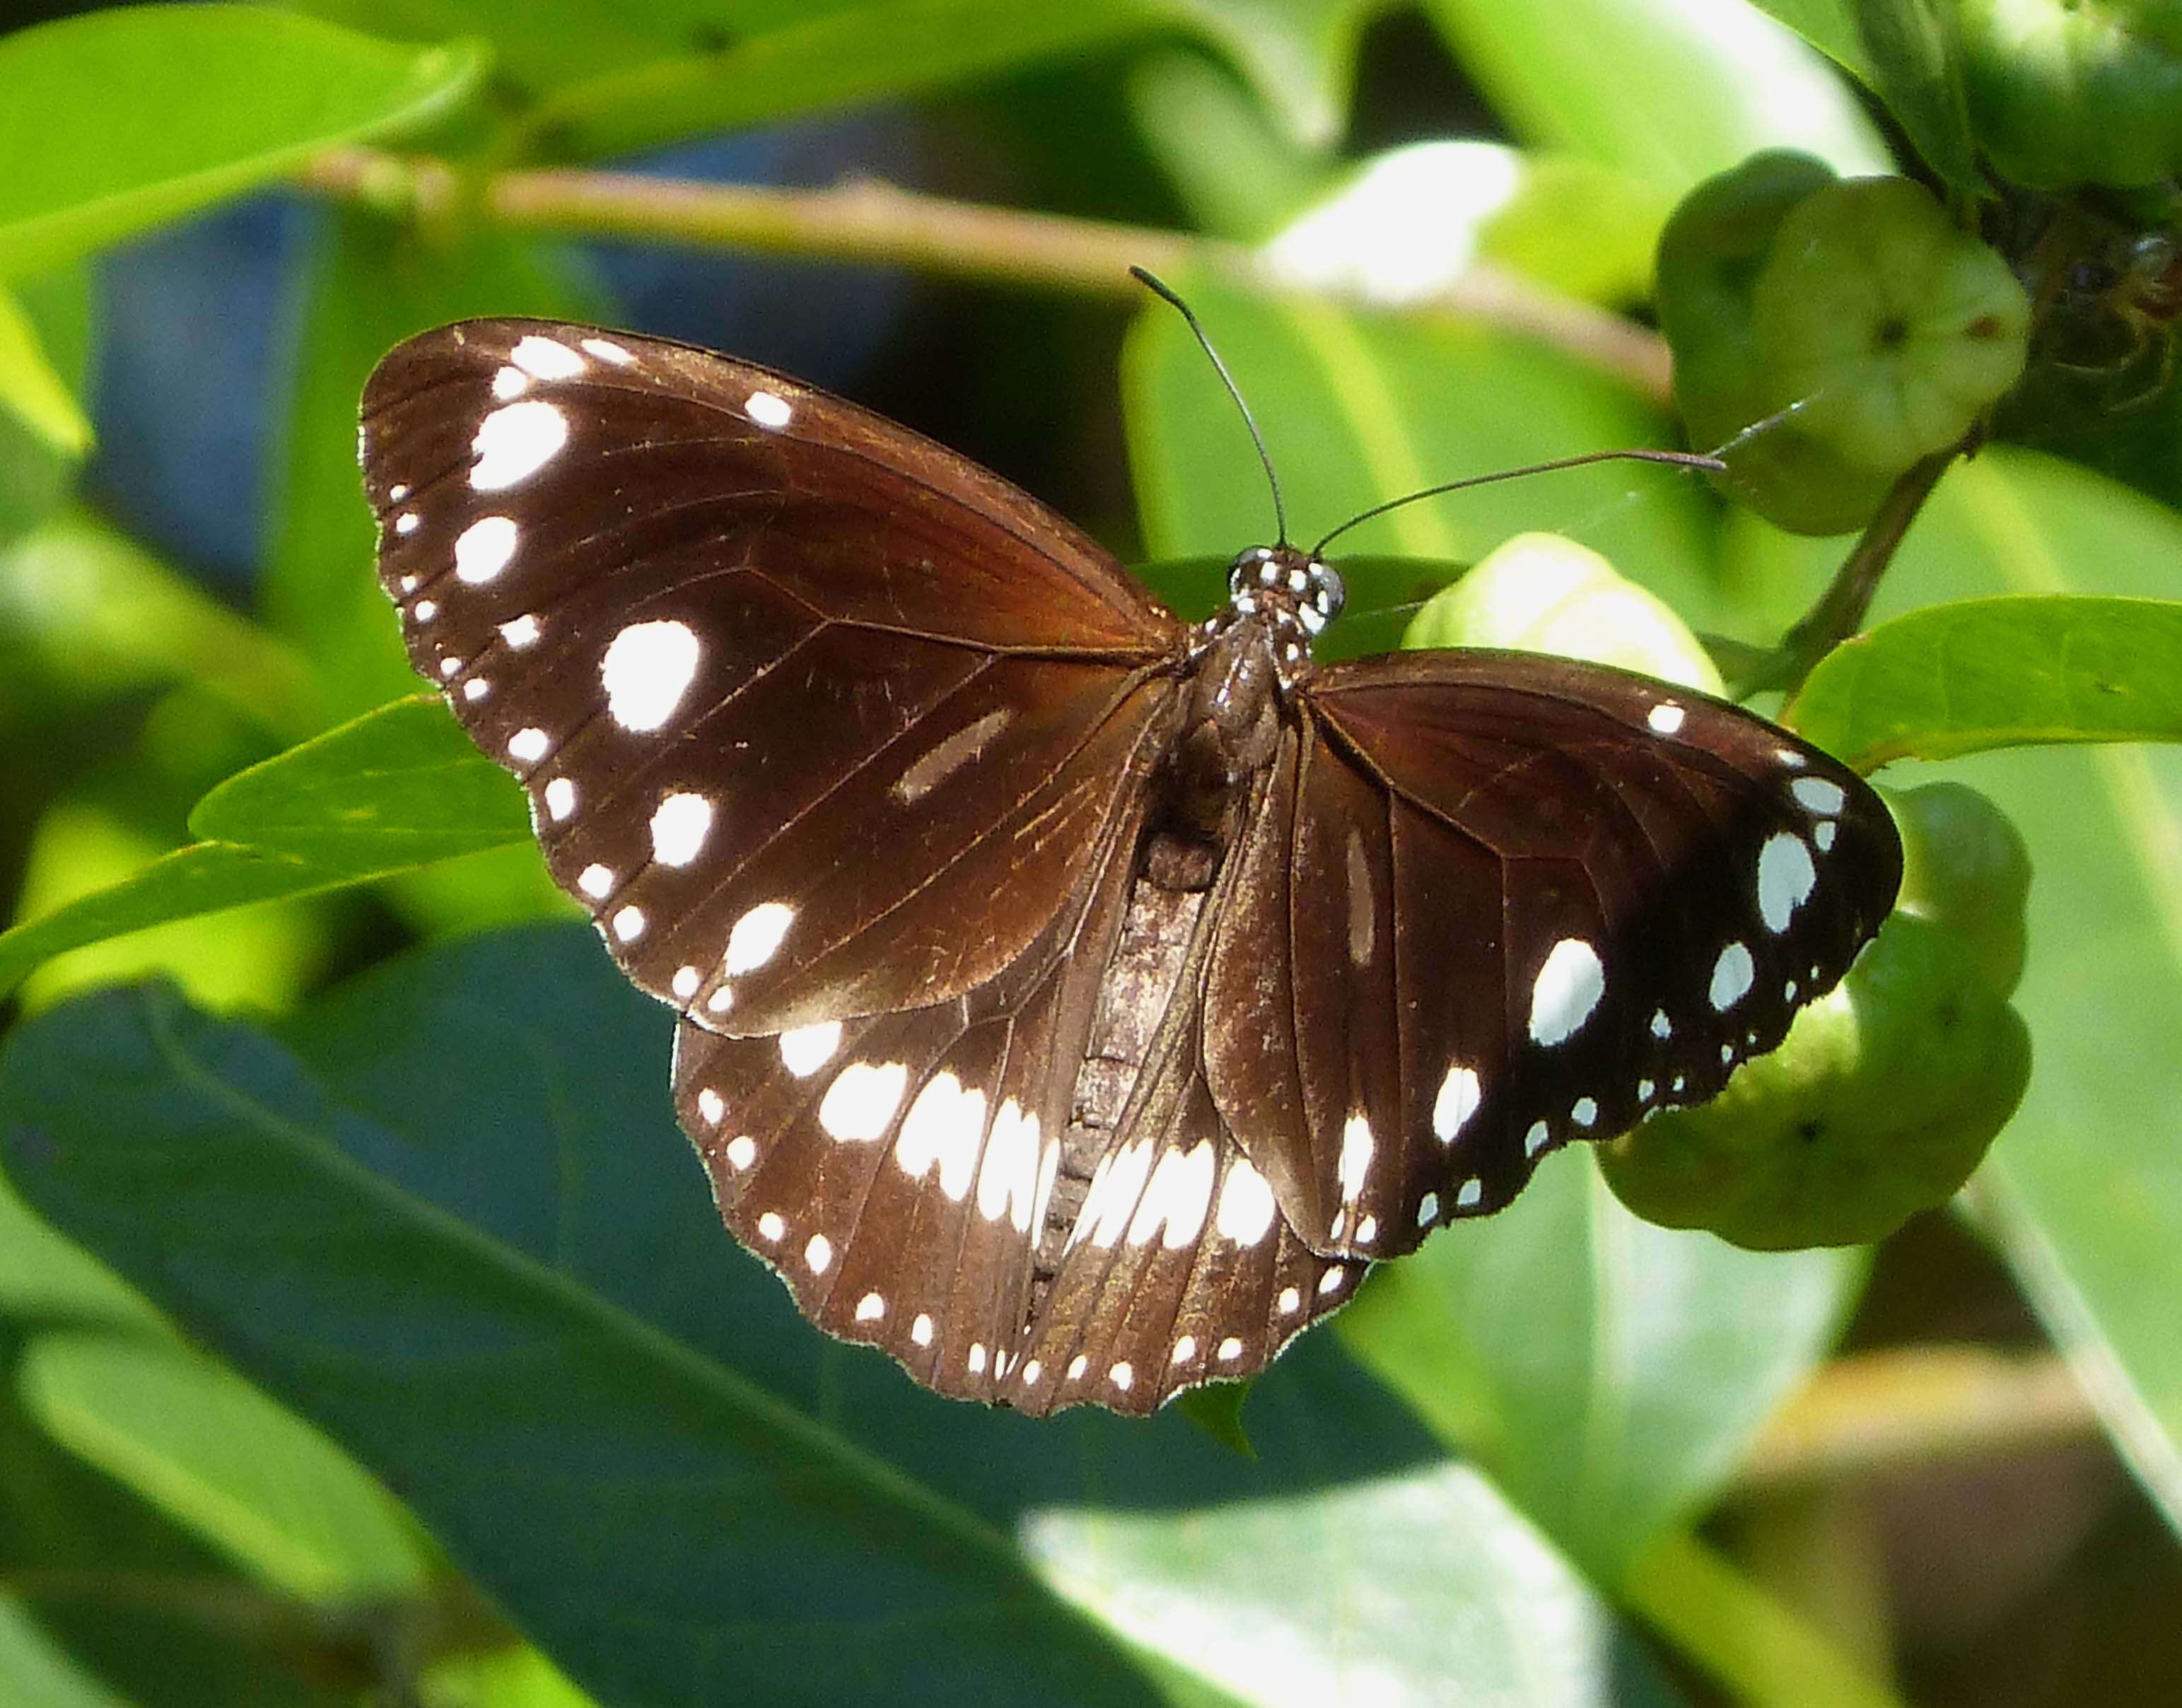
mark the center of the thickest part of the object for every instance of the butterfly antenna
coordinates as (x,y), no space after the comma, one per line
(1228,380)
(1678,459)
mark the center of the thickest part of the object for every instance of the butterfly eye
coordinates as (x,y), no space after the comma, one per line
(1328,592)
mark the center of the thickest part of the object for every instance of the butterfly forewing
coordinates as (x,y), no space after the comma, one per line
(1522,901)
(1073,1002)
(790,687)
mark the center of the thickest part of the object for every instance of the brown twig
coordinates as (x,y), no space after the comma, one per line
(865,220)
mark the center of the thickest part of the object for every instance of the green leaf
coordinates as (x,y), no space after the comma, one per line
(1356,409)
(91,610)
(1606,1373)
(36,471)
(37,1671)
(122,120)
(1915,60)
(1455,1572)
(30,389)
(798,64)
(459,1229)
(1828,25)
(223,1461)
(2011,671)
(395,790)
(2084,1187)
(1670,95)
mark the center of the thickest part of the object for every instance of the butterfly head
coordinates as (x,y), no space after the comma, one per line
(1287,586)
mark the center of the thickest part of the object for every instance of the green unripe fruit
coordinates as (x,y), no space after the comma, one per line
(2063,92)
(1540,593)
(1880,1102)
(1964,867)
(1886,329)
(1711,252)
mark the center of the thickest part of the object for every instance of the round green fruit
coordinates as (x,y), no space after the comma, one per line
(2067,92)
(1886,330)
(1964,867)
(1880,1102)
(1710,254)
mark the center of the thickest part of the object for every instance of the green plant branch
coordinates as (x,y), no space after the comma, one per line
(1840,610)
(869,221)
(1907,1408)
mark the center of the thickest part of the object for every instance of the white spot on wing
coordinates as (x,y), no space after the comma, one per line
(680,825)
(805,1049)
(819,1254)
(920,1331)
(755,937)
(859,1105)
(1007,1177)
(1457,1100)
(560,798)
(509,384)
(1786,879)
(1176,1198)
(607,350)
(521,633)
(943,1125)
(742,1151)
(1354,1167)
(408,523)
(1731,976)
(1666,717)
(1245,1215)
(529,745)
(1535,1140)
(1662,1027)
(1121,1376)
(977,1357)
(1114,1192)
(596,881)
(482,548)
(686,981)
(1823,837)
(1471,1195)
(769,1227)
(1819,794)
(870,1309)
(1427,1209)
(647,669)
(1569,987)
(1231,1349)
(545,358)
(1584,1111)
(1185,1349)
(514,443)
(768,409)
(476,689)
(711,1106)
(628,925)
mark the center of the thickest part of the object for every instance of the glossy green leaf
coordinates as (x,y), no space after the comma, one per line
(396,789)
(2012,671)
(1464,1589)
(1606,1373)
(458,1228)
(223,1461)
(1356,409)
(1670,95)
(81,847)
(121,120)
(1915,68)
(2086,1184)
